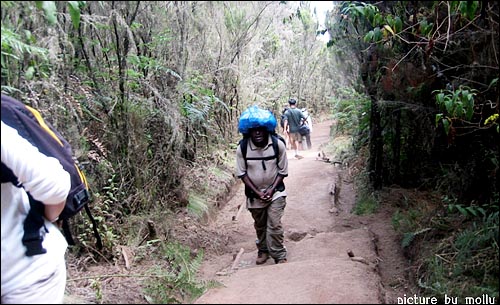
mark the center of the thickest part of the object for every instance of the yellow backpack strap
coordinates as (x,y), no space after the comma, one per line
(40,120)
(82,175)
(42,123)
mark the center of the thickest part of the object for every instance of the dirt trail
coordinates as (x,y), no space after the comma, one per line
(318,236)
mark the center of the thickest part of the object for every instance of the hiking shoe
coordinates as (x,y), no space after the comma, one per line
(299,157)
(261,258)
(282,261)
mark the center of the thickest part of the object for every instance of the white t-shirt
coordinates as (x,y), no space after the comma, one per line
(308,119)
(48,182)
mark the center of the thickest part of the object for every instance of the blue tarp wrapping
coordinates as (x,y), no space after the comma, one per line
(256,117)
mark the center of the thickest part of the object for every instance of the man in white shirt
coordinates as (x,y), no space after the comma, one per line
(38,279)
(309,123)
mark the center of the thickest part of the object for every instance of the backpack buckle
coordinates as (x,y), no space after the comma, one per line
(81,198)
(34,246)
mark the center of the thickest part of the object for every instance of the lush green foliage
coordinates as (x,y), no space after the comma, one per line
(430,69)
(176,283)
(470,256)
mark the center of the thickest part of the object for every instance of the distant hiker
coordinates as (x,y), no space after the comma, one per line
(307,122)
(261,163)
(38,279)
(282,124)
(293,120)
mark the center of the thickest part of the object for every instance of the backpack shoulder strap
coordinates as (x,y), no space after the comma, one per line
(243,146)
(276,148)
(274,138)
(69,237)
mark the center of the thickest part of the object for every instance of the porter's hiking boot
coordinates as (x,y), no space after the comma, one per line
(299,157)
(261,258)
(282,261)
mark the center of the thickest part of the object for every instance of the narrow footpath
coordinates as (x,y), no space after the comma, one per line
(330,260)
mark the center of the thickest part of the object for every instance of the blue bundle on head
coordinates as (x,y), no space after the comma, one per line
(255,117)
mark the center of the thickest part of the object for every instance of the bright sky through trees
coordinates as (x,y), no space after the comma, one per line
(321,8)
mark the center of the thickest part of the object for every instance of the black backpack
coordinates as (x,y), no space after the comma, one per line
(30,125)
(244,145)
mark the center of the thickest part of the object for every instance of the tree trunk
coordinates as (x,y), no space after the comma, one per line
(376,147)
(396,146)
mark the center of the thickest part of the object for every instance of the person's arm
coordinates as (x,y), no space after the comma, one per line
(267,195)
(241,172)
(52,211)
(282,172)
(286,128)
(248,182)
(43,177)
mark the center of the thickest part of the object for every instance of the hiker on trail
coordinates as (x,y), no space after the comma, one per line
(261,163)
(307,122)
(282,124)
(38,279)
(293,120)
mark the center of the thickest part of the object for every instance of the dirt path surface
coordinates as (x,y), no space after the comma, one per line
(320,231)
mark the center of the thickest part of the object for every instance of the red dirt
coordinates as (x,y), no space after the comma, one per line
(319,233)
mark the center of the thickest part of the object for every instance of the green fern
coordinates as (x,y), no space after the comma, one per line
(178,284)
(197,205)
(15,50)
(407,239)
(410,236)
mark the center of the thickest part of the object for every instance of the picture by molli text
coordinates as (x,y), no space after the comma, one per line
(414,299)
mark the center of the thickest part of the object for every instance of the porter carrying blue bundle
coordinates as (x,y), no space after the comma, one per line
(256,117)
